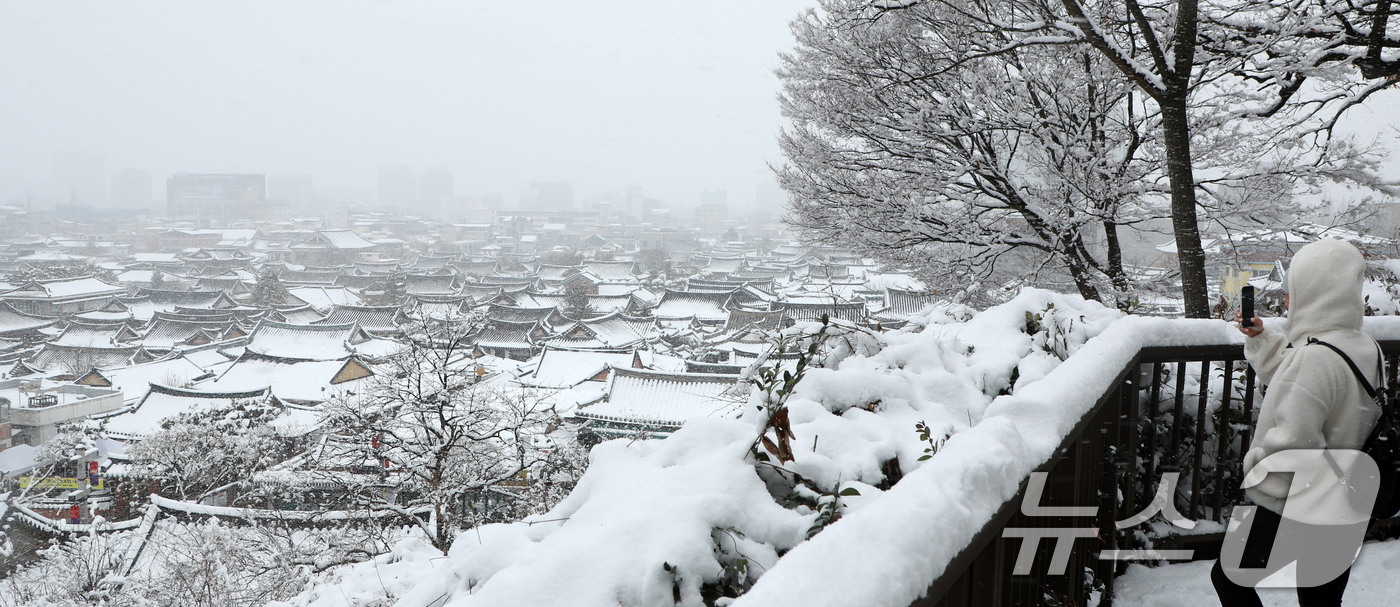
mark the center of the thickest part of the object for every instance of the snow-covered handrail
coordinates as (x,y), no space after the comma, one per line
(887,553)
(39,521)
(259,513)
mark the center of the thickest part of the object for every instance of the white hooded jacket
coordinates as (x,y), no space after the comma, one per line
(1313,400)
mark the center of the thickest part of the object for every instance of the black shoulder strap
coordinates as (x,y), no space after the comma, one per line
(1364,383)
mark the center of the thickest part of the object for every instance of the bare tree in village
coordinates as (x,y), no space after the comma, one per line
(428,432)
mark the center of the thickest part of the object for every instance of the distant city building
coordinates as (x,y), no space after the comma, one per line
(131,188)
(713,210)
(435,191)
(216,198)
(548,196)
(398,186)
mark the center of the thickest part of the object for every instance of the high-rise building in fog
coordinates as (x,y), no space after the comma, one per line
(713,210)
(398,186)
(548,196)
(215,199)
(435,191)
(131,188)
(294,189)
(80,176)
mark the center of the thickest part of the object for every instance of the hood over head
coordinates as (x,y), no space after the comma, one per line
(1324,289)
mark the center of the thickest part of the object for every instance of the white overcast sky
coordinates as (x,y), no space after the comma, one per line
(674,97)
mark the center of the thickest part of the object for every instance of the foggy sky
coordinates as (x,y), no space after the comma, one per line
(674,97)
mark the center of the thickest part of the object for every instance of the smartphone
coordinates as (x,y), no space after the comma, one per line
(1247,306)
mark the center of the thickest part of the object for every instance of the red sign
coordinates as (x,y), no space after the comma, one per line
(74,514)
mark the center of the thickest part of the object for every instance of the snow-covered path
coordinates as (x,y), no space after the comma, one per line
(1375,582)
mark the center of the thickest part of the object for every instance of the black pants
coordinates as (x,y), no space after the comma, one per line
(1256,554)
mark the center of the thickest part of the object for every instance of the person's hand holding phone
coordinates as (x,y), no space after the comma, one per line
(1249,323)
(1256,328)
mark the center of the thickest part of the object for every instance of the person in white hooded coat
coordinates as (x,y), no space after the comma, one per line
(1312,398)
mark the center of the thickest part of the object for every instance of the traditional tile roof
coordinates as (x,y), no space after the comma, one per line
(375,319)
(814,307)
(517,314)
(56,358)
(611,331)
(705,306)
(306,342)
(291,380)
(660,402)
(15,323)
(165,333)
(445,284)
(164,402)
(562,369)
(898,301)
(63,289)
(94,336)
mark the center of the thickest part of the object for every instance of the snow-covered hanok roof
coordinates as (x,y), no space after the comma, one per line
(518,314)
(479,268)
(660,402)
(723,266)
(60,289)
(509,335)
(303,382)
(377,267)
(164,402)
(417,284)
(56,358)
(599,303)
(612,271)
(94,336)
(526,281)
(15,323)
(426,306)
(300,315)
(309,277)
(375,319)
(336,239)
(899,301)
(167,300)
(550,272)
(157,258)
(134,380)
(705,306)
(165,333)
(432,262)
(612,331)
(741,319)
(325,298)
(562,369)
(306,342)
(813,307)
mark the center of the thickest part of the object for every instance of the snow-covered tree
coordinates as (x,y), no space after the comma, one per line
(576,303)
(994,166)
(427,432)
(1200,66)
(196,454)
(269,290)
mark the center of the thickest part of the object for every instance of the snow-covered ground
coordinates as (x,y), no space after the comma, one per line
(1375,582)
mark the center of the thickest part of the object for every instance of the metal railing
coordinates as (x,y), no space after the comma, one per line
(1152,422)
